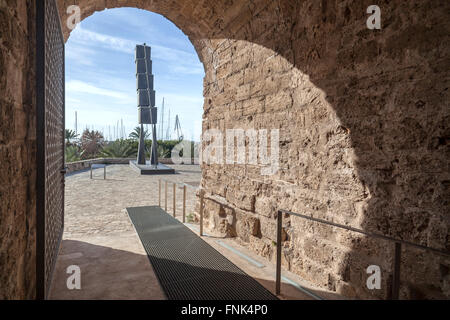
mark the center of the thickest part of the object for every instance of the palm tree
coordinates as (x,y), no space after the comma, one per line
(118,149)
(136,133)
(73,153)
(91,142)
(70,135)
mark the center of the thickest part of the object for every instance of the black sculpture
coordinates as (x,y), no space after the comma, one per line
(147,112)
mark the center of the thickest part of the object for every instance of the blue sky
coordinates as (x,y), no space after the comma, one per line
(101,79)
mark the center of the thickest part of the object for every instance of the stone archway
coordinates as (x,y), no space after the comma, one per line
(312,70)
(363,128)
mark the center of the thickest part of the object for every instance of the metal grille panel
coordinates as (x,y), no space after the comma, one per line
(54,137)
(186,266)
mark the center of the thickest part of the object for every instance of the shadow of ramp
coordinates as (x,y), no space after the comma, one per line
(186,266)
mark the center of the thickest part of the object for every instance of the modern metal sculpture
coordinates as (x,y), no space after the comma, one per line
(147,113)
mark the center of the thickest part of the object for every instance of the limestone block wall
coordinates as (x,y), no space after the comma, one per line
(363,118)
(17,151)
(86,164)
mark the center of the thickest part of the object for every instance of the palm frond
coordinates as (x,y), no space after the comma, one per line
(135,134)
(73,153)
(118,149)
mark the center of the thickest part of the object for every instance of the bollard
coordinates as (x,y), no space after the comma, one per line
(396,276)
(174,204)
(278,271)
(184,204)
(165,196)
(201,213)
(159,194)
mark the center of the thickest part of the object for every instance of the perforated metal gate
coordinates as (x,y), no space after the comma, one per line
(50,141)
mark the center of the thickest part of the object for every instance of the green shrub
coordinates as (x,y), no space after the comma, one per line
(118,149)
(164,147)
(121,148)
(190,218)
(73,153)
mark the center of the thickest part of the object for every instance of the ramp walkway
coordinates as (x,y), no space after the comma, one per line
(186,266)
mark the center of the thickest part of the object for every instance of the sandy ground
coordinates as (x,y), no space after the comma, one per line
(101,240)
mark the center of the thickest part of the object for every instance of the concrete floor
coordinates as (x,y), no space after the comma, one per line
(101,240)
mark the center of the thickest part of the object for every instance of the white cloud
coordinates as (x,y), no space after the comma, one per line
(143,21)
(84,87)
(185,62)
(81,54)
(174,55)
(187,70)
(85,37)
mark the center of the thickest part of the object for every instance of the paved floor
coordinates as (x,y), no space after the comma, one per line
(101,240)
(97,207)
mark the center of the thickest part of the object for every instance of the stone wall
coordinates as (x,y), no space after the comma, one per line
(86,164)
(363,118)
(17,151)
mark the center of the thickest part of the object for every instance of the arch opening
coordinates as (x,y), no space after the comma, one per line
(363,133)
(323,82)
(101,112)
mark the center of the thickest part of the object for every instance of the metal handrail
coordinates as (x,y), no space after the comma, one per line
(397,250)
(185,186)
(370,234)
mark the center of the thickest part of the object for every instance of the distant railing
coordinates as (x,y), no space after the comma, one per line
(201,194)
(185,186)
(397,248)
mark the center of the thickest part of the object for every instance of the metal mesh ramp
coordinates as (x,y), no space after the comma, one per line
(186,266)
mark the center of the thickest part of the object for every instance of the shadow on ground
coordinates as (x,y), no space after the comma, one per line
(108,273)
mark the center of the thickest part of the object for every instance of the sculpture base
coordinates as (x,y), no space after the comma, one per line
(151,169)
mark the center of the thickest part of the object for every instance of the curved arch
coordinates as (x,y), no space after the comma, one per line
(361,118)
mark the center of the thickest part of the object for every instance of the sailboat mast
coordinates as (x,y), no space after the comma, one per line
(162,122)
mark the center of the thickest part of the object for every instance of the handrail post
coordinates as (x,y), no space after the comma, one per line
(184,203)
(165,196)
(278,272)
(396,276)
(201,212)
(174,201)
(159,193)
